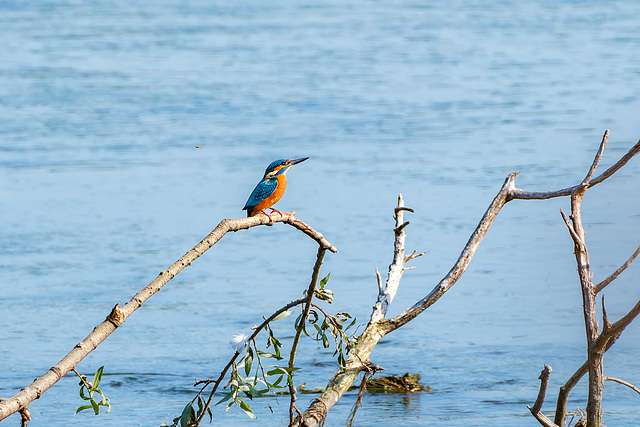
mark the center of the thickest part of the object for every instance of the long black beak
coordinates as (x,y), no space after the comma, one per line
(296,161)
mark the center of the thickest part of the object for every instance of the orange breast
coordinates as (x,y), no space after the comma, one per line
(272,198)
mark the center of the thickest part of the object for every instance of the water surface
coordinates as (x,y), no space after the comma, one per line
(102,105)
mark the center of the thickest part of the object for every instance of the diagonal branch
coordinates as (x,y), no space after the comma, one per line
(600,286)
(119,315)
(463,261)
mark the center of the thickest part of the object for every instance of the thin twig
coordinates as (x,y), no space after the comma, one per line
(623,382)
(361,390)
(600,286)
(293,410)
(540,195)
(251,338)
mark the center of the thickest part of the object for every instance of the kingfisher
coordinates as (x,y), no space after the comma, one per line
(271,188)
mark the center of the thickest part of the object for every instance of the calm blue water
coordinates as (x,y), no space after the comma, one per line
(103,103)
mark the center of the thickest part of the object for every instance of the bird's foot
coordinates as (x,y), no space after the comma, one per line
(271,221)
(275,210)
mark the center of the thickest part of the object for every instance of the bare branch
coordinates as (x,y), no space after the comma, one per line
(103,330)
(535,411)
(574,236)
(615,329)
(463,261)
(619,381)
(539,195)
(358,359)
(544,383)
(397,265)
(600,286)
(293,410)
(565,390)
(606,324)
(587,179)
(341,381)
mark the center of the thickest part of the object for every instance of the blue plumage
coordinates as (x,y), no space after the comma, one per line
(271,188)
(264,189)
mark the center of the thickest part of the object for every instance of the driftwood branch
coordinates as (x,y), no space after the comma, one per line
(535,411)
(119,315)
(376,330)
(358,359)
(597,342)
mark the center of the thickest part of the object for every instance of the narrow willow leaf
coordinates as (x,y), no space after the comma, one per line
(247,409)
(325,341)
(248,359)
(225,398)
(95,406)
(97,377)
(82,408)
(200,405)
(186,415)
(283,315)
(277,381)
(277,371)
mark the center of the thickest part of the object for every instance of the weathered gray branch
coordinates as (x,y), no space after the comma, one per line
(358,358)
(600,286)
(535,411)
(375,331)
(119,315)
(623,382)
(597,342)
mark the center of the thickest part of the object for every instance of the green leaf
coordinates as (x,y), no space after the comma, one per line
(325,341)
(200,405)
(277,371)
(82,408)
(225,398)
(324,281)
(97,377)
(247,409)
(248,359)
(96,408)
(283,315)
(82,395)
(351,324)
(186,415)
